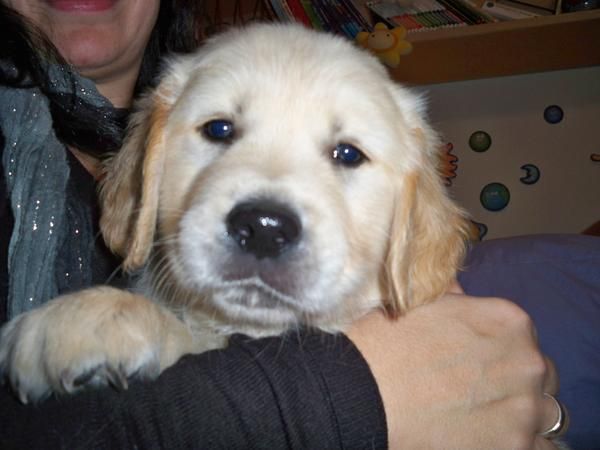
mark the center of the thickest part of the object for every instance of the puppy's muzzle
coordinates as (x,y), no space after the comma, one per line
(263,228)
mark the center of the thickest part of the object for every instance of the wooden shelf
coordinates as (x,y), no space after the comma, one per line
(564,41)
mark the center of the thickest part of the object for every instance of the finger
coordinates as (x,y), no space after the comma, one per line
(544,444)
(551,381)
(455,288)
(551,411)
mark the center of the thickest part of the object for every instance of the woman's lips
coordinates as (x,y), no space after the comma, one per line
(81,5)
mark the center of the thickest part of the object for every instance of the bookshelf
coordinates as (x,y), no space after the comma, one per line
(564,41)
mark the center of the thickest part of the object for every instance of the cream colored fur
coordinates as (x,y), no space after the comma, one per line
(383,234)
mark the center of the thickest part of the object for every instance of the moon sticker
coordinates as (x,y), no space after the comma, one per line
(482,229)
(532,174)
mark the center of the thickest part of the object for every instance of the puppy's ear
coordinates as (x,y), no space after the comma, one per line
(130,189)
(429,231)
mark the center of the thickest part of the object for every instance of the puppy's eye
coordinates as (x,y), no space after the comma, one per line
(348,155)
(219,130)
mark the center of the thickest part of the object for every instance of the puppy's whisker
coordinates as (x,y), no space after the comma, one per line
(162,278)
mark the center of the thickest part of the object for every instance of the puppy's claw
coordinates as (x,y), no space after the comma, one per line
(72,381)
(117,378)
(20,393)
(82,379)
(99,375)
(23,397)
(148,371)
(40,356)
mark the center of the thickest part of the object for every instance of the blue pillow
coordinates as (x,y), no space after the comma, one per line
(556,279)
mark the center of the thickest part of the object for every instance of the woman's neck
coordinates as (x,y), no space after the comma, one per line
(119,91)
(116,88)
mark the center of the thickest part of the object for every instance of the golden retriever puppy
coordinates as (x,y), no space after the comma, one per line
(277,178)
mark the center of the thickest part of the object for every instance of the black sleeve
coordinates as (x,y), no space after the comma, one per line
(301,391)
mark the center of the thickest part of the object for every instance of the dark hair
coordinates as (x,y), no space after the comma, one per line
(175,32)
(25,55)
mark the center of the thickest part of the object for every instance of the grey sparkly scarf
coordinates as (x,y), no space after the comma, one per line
(37,172)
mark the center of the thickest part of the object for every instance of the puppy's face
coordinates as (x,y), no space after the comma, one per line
(280,167)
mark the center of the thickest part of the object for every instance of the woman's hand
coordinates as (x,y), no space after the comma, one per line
(460,373)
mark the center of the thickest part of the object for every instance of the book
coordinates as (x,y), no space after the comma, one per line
(299,13)
(466,11)
(345,18)
(524,5)
(360,12)
(505,10)
(338,16)
(318,8)
(339,23)
(422,15)
(549,5)
(334,16)
(312,14)
(280,10)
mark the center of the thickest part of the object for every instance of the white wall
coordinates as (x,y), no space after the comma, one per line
(510,109)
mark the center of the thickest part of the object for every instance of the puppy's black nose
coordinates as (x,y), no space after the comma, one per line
(263,228)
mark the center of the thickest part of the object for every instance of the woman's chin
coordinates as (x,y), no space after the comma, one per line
(89,51)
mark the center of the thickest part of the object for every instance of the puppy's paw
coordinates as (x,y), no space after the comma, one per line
(101,336)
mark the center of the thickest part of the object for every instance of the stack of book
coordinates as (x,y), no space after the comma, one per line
(349,17)
(422,15)
(345,17)
(520,9)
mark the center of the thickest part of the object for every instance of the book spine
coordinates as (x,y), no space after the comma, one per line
(461,13)
(346,22)
(364,22)
(280,12)
(320,12)
(506,12)
(287,10)
(314,18)
(475,11)
(421,15)
(525,7)
(548,5)
(298,12)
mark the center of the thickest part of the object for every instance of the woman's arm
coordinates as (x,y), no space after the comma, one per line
(457,373)
(462,372)
(299,391)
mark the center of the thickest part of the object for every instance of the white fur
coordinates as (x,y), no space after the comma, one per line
(380,234)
